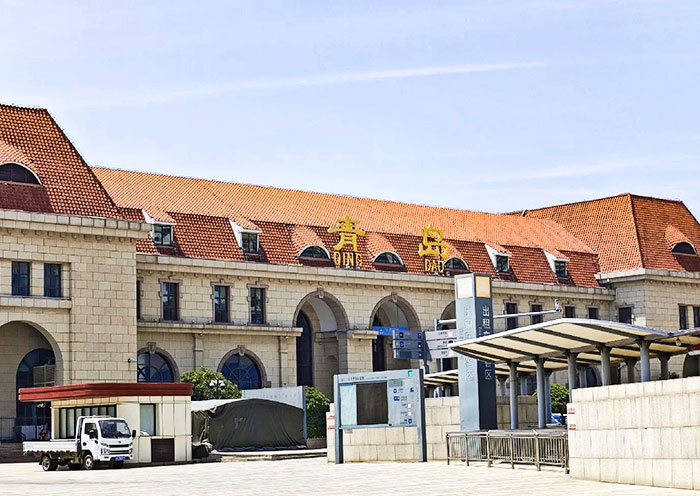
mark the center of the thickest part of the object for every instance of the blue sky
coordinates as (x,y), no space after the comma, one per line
(485,105)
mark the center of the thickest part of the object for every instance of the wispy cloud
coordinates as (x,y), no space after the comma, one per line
(176,93)
(576,170)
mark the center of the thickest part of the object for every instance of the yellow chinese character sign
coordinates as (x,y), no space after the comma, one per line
(434,244)
(348,232)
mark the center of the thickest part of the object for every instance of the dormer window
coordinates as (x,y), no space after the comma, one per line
(455,263)
(502,264)
(560,268)
(684,248)
(16,173)
(388,258)
(315,252)
(250,242)
(163,234)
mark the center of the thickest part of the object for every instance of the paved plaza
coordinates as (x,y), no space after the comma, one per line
(310,476)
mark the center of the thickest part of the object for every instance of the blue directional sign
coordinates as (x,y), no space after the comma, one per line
(387,331)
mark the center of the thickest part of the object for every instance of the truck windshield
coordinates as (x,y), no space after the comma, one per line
(114,429)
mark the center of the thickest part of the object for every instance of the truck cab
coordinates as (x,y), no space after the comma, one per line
(105,439)
(98,439)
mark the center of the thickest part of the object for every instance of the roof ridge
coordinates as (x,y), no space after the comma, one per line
(636,231)
(296,190)
(23,107)
(520,211)
(74,148)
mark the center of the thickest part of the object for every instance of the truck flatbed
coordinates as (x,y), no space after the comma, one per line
(58,446)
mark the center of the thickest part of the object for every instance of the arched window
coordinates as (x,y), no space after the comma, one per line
(242,371)
(314,252)
(388,258)
(455,263)
(153,367)
(684,248)
(16,173)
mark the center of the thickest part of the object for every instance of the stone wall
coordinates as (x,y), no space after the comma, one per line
(91,328)
(401,443)
(339,305)
(643,433)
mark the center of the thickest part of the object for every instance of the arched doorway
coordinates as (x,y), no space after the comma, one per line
(320,315)
(391,312)
(30,358)
(448,313)
(304,345)
(37,369)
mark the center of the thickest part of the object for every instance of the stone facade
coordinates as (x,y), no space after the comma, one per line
(95,335)
(91,328)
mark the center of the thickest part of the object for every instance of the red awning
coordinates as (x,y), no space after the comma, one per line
(105,390)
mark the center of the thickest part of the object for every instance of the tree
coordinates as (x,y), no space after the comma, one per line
(201,390)
(560,397)
(317,405)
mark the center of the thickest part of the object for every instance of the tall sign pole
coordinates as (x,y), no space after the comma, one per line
(477,379)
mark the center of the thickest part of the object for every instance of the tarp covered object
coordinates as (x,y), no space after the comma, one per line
(246,423)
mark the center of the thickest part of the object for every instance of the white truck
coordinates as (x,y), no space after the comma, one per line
(97,439)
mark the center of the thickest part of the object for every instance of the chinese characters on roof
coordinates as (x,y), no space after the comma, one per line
(433,249)
(347,233)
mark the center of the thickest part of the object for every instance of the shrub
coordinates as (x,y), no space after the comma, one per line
(560,397)
(201,390)
(316,408)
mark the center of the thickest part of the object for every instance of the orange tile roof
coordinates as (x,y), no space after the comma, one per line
(290,220)
(267,204)
(629,231)
(31,137)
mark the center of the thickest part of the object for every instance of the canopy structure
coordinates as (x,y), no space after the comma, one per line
(571,343)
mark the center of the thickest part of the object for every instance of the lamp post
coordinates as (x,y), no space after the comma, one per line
(218,383)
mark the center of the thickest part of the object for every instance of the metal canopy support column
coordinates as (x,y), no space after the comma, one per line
(541,395)
(548,397)
(644,360)
(582,379)
(605,365)
(663,358)
(571,359)
(630,369)
(502,386)
(523,384)
(514,421)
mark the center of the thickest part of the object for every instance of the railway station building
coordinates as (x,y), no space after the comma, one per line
(110,275)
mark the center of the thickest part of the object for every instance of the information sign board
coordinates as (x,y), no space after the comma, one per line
(391,398)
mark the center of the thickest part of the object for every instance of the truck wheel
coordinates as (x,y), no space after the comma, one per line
(48,464)
(88,462)
(75,466)
(117,464)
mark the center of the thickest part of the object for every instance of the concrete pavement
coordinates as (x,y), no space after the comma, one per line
(308,477)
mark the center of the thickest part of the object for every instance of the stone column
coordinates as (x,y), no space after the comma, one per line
(198,350)
(571,362)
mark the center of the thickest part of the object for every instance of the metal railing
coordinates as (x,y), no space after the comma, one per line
(522,447)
